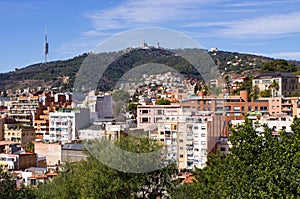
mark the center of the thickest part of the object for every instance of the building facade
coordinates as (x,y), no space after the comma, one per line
(287,83)
(65,123)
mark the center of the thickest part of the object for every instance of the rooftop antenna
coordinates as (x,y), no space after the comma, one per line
(46,47)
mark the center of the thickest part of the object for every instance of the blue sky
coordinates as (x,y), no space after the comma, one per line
(270,27)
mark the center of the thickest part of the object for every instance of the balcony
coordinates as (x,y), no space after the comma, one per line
(189,138)
(286,109)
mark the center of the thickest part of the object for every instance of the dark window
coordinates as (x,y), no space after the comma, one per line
(222,149)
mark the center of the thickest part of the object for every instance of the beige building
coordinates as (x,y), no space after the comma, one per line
(25,110)
(51,151)
(188,137)
(288,83)
(148,115)
(19,134)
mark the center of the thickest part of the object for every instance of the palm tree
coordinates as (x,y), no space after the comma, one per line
(227,84)
(274,86)
(254,94)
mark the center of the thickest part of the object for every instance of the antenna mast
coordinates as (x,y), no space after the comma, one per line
(46,47)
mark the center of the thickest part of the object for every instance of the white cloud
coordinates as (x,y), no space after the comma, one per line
(264,26)
(137,13)
(286,55)
(209,24)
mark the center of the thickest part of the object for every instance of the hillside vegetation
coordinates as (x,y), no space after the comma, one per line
(63,73)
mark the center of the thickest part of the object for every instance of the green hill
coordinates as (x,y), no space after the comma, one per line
(63,73)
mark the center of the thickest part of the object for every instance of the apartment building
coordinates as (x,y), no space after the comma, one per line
(25,110)
(19,134)
(274,123)
(148,115)
(65,123)
(188,137)
(104,106)
(18,161)
(50,102)
(288,83)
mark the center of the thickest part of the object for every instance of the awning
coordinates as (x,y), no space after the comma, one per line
(3,163)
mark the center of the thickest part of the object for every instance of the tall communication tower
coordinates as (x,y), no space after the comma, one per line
(46,48)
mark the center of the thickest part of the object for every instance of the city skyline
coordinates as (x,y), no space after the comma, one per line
(269,28)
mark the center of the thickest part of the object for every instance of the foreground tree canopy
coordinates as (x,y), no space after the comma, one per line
(260,165)
(92,179)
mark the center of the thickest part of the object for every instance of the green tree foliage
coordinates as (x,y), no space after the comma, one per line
(92,179)
(260,165)
(254,94)
(246,85)
(9,190)
(274,86)
(200,87)
(266,93)
(162,102)
(227,83)
(30,147)
(278,65)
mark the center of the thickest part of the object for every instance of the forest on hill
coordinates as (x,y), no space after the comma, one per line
(62,74)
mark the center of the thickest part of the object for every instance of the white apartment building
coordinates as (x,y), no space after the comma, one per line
(188,137)
(65,123)
(274,123)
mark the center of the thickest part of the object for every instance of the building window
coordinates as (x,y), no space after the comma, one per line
(203,142)
(202,134)
(145,120)
(222,149)
(160,112)
(236,108)
(145,111)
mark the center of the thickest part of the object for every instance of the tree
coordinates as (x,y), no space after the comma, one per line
(162,102)
(30,147)
(9,190)
(278,65)
(260,165)
(254,94)
(265,93)
(227,84)
(91,178)
(274,86)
